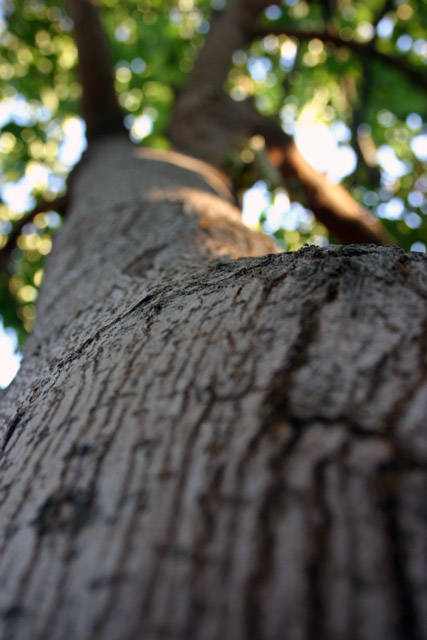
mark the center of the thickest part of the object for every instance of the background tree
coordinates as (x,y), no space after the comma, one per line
(202,444)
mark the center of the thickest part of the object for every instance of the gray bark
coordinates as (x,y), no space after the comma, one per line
(204,445)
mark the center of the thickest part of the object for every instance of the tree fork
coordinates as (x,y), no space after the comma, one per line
(216,130)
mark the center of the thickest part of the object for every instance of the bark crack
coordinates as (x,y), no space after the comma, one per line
(387,486)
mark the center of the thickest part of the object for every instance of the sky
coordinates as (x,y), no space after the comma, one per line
(9,360)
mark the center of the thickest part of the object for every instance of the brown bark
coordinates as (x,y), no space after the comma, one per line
(201,447)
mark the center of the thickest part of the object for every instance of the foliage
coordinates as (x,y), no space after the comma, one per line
(313,63)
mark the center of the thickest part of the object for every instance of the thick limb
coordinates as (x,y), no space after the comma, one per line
(101,110)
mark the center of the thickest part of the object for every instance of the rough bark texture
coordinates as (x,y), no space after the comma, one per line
(207,448)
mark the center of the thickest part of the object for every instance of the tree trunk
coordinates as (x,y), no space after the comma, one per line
(202,447)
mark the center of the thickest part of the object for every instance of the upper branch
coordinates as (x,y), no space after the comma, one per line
(59,204)
(101,110)
(387,6)
(229,32)
(332,205)
(417,76)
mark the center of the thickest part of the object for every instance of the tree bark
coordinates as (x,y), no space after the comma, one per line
(201,445)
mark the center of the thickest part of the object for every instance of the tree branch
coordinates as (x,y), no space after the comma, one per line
(417,76)
(101,110)
(228,33)
(59,204)
(359,106)
(332,205)
(387,6)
